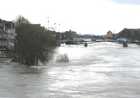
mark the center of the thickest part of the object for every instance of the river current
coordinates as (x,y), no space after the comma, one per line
(101,70)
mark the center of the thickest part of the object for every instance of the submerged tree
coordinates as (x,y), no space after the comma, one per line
(33,42)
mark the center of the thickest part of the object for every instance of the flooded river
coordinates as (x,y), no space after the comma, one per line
(101,70)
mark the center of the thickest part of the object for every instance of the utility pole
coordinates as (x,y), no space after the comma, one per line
(48,23)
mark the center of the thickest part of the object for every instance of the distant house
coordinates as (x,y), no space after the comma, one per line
(7,35)
(108,36)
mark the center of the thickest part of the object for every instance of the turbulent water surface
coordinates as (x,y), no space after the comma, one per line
(101,70)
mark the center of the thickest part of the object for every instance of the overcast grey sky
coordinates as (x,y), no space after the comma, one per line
(128,1)
(83,16)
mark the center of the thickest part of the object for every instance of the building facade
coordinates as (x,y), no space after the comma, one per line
(7,35)
(108,36)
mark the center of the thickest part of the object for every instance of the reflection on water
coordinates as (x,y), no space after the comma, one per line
(101,70)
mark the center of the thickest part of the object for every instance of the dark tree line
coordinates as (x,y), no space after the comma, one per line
(69,35)
(131,34)
(33,42)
